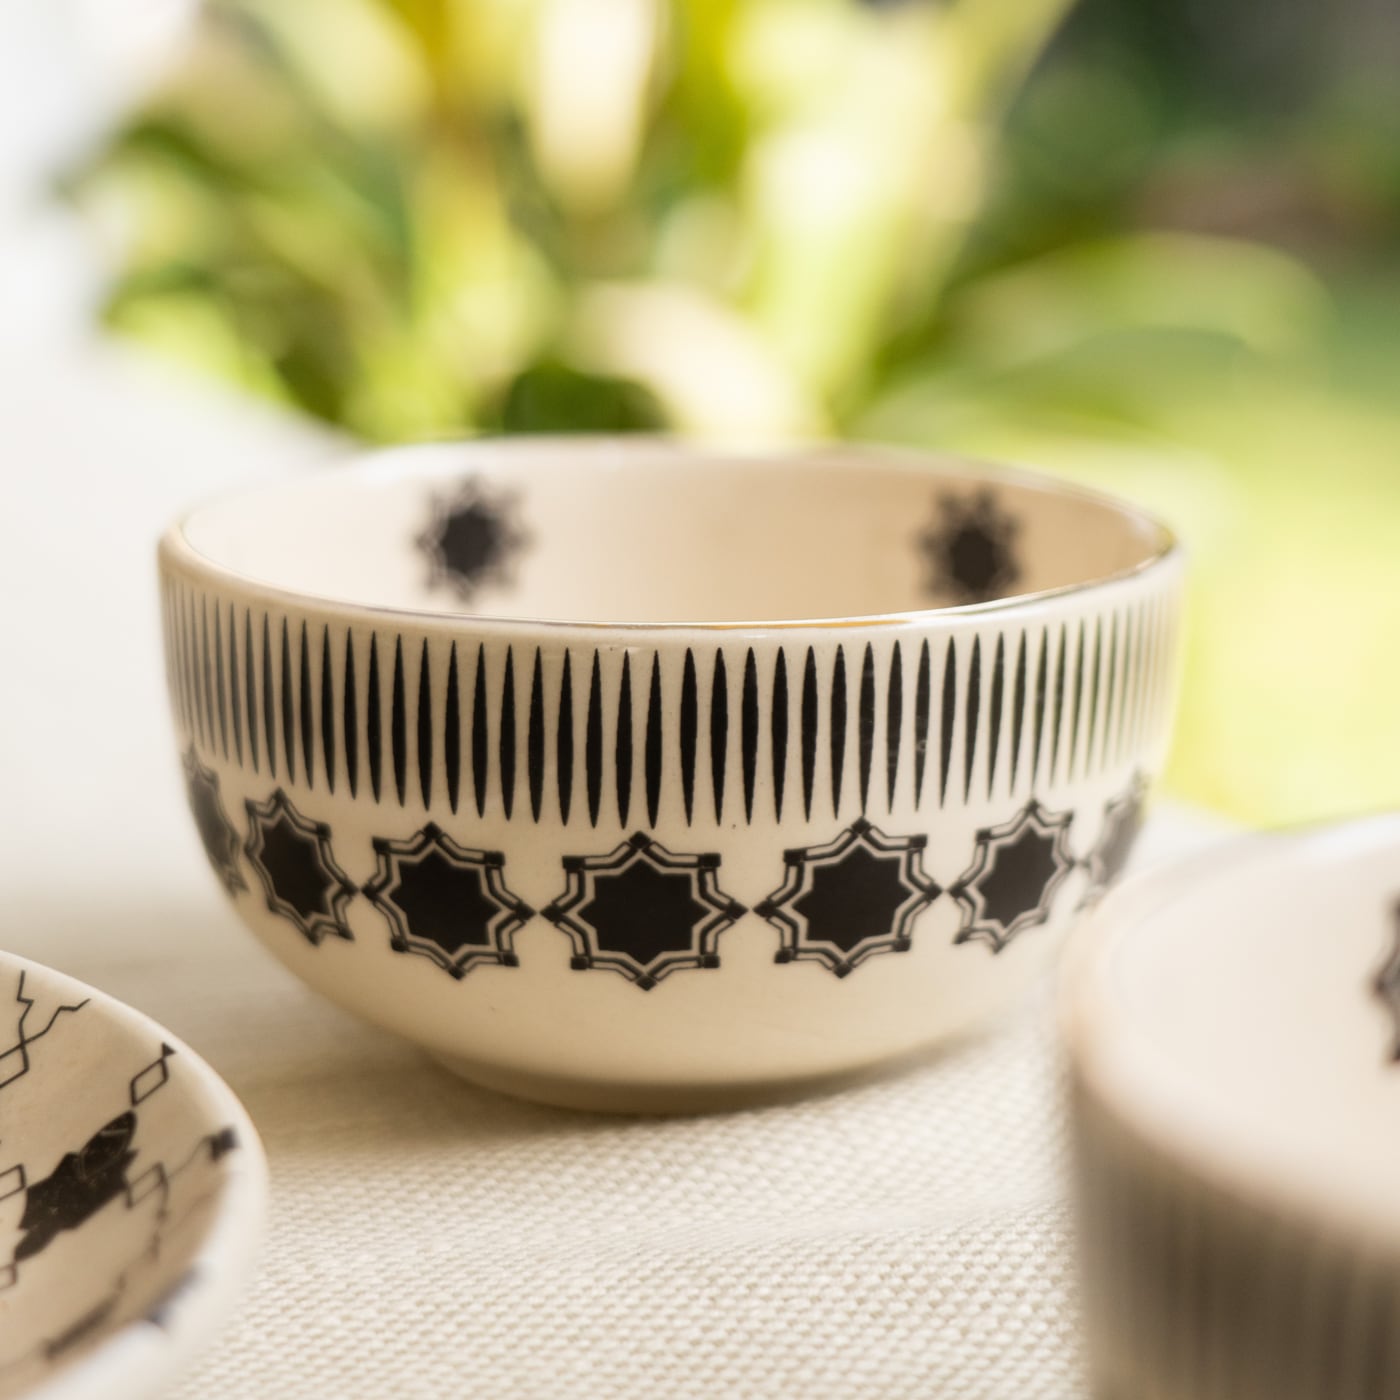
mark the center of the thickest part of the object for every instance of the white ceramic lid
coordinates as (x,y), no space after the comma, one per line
(1239,1015)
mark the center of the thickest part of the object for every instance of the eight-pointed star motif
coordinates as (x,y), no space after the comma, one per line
(854,896)
(472,539)
(1122,821)
(970,548)
(292,856)
(215,830)
(1013,877)
(446,902)
(643,911)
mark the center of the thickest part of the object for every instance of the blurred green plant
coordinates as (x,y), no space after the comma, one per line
(762,218)
(415,217)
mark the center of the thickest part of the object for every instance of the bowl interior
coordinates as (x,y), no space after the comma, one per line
(128,1176)
(650,533)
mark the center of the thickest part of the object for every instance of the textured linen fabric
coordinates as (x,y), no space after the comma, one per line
(904,1238)
(428,1239)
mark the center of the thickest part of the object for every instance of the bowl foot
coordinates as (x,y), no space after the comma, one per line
(600,1096)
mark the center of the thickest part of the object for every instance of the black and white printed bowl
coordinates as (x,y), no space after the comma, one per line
(132,1194)
(628,775)
(1233,1028)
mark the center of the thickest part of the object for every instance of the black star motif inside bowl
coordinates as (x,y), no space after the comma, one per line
(642,911)
(472,539)
(1012,880)
(216,832)
(293,859)
(446,902)
(971,549)
(853,897)
(1122,822)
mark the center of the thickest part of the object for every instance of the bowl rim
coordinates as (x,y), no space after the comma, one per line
(135,1359)
(176,549)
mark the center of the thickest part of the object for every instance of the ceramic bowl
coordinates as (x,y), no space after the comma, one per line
(132,1190)
(626,775)
(1234,1035)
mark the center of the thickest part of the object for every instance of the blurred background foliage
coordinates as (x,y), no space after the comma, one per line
(1148,246)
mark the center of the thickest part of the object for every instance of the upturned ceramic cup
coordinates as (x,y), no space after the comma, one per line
(627,775)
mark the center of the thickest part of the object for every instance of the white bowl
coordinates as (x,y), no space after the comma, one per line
(132,1191)
(1233,1027)
(626,775)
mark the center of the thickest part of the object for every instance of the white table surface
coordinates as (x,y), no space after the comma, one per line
(908,1238)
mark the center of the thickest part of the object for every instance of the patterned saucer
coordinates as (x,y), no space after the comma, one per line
(1234,1035)
(132,1194)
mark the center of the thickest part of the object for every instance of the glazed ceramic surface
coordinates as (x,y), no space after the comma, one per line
(131,1194)
(800,763)
(1234,1027)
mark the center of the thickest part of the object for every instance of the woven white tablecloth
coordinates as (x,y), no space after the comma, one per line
(909,1238)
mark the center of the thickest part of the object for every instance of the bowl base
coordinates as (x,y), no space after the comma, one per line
(607,1096)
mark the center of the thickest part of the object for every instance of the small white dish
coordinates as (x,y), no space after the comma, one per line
(132,1194)
(1232,1027)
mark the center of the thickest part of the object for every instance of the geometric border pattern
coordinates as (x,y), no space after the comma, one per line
(1122,822)
(87,1178)
(220,840)
(581,872)
(89,1188)
(14,1059)
(512,912)
(978,890)
(576,733)
(339,889)
(977,920)
(780,911)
